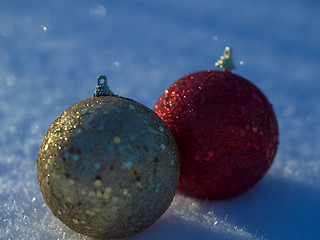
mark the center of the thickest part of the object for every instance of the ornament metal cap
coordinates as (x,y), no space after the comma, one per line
(226,61)
(102,87)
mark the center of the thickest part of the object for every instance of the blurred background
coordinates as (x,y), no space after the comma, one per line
(52,51)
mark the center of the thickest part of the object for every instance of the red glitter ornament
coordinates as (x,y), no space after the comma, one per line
(225,129)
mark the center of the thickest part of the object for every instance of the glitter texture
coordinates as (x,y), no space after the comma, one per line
(225,129)
(103,170)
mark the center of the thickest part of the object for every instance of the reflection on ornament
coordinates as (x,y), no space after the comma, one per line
(108,166)
(225,129)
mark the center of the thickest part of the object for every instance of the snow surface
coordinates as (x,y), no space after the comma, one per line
(52,51)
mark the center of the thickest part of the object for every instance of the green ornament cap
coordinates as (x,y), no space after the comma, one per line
(102,87)
(226,61)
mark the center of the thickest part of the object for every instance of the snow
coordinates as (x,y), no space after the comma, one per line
(52,51)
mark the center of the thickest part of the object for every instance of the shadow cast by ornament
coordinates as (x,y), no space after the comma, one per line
(275,209)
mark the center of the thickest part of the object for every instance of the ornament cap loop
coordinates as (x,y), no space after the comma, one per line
(102,87)
(226,61)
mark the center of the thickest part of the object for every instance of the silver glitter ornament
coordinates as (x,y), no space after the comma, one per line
(108,166)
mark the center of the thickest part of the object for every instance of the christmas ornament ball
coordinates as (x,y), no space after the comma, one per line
(108,167)
(225,129)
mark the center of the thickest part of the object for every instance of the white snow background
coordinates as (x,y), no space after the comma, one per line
(52,51)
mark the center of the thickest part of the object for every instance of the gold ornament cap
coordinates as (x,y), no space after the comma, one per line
(225,62)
